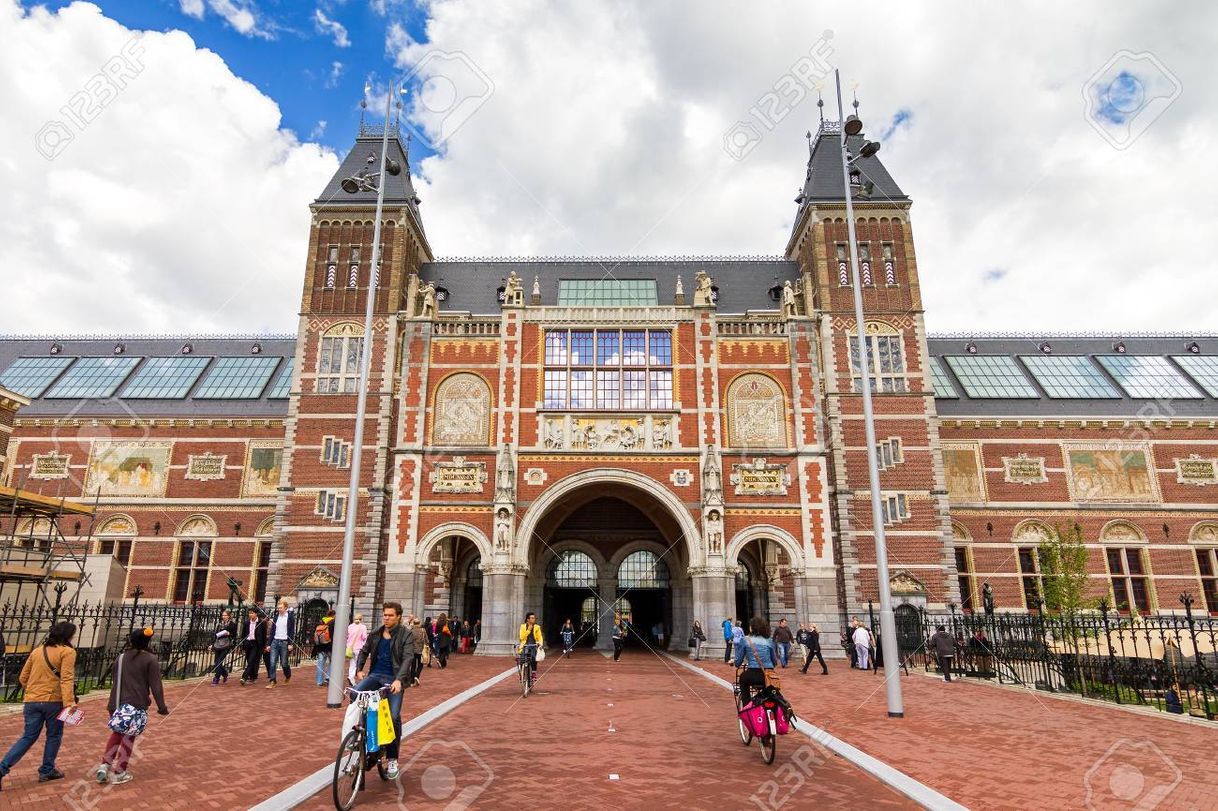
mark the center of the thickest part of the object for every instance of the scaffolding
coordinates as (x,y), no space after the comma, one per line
(38,565)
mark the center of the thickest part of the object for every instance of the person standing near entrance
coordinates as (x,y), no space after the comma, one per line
(810,638)
(727,640)
(444,640)
(696,638)
(782,641)
(283,631)
(49,679)
(738,637)
(568,637)
(253,642)
(945,651)
(619,636)
(862,646)
(323,646)
(657,633)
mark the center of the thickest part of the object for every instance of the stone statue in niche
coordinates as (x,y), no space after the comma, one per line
(505,476)
(987,598)
(503,530)
(712,478)
(714,532)
(788,299)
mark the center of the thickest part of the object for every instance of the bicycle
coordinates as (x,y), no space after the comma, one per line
(353,760)
(769,741)
(525,667)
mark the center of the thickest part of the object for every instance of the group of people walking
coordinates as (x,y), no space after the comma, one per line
(781,640)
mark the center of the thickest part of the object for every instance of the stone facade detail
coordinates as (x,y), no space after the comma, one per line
(458,476)
(760,478)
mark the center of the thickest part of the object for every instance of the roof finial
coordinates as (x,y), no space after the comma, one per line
(406,146)
(820,104)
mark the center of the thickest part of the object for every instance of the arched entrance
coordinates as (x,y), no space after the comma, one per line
(454,579)
(765,584)
(608,541)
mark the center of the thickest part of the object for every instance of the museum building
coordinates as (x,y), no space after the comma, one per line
(680,438)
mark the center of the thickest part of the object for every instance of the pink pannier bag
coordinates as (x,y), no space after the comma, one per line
(782,724)
(755,720)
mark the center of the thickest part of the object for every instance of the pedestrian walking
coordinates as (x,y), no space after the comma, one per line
(657,633)
(862,646)
(137,676)
(357,633)
(848,642)
(568,637)
(444,640)
(696,637)
(222,645)
(737,638)
(253,643)
(477,633)
(810,638)
(945,651)
(782,641)
(620,629)
(283,631)
(727,640)
(418,641)
(323,646)
(467,637)
(429,630)
(49,680)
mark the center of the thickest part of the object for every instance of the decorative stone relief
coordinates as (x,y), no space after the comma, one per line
(205,467)
(1205,532)
(712,478)
(756,413)
(1024,469)
(761,479)
(458,476)
(319,578)
(50,465)
(905,583)
(602,433)
(118,525)
(505,475)
(1031,533)
(1195,470)
(535,477)
(462,412)
(661,434)
(1122,532)
(198,526)
(681,478)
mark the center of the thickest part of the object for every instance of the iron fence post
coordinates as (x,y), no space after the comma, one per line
(1116,687)
(1187,599)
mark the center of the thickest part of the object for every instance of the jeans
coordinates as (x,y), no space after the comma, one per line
(323,667)
(279,655)
(375,681)
(727,651)
(863,653)
(37,714)
(784,652)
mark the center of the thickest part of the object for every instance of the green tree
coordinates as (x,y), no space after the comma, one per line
(1063,570)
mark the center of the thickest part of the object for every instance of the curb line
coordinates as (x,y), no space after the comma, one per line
(301,791)
(900,782)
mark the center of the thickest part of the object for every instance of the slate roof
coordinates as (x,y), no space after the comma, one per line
(743,283)
(823,181)
(282,348)
(1205,406)
(399,189)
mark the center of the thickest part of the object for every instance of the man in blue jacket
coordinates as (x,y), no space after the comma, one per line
(727,640)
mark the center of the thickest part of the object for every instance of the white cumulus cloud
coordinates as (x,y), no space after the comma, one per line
(332,28)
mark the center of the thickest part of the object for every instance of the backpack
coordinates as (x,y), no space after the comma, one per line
(321,634)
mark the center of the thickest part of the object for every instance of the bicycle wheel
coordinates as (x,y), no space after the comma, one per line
(746,734)
(526,679)
(348,770)
(769,748)
(382,765)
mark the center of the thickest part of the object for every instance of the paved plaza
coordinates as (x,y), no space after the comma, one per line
(666,732)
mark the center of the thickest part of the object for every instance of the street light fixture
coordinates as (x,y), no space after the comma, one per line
(361,181)
(852,125)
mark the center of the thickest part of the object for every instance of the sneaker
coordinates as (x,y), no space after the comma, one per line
(287,679)
(392,772)
(271,686)
(102,772)
(120,777)
(415,681)
(54,775)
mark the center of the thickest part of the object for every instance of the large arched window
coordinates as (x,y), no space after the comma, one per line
(756,413)
(338,359)
(1128,567)
(642,570)
(473,575)
(885,358)
(572,569)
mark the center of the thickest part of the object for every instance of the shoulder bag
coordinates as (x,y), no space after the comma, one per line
(771,678)
(126,719)
(55,672)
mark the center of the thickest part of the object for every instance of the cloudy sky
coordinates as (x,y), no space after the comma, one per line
(158,156)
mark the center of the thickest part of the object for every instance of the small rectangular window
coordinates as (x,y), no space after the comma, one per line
(841,252)
(332,254)
(865,251)
(887,249)
(354,255)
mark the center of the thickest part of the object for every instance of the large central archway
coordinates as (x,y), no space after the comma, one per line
(605,541)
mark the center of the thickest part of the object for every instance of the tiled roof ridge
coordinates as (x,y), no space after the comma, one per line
(1068,335)
(656,258)
(105,336)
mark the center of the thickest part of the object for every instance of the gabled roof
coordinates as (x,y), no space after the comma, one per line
(399,190)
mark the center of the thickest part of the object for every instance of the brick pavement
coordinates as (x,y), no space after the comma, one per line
(993,748)
(199,756)
(675,745)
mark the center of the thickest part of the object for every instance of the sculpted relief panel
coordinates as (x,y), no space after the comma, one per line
(756,413)
(462,412)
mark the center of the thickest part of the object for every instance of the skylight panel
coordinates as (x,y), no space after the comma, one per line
(30,377)
(165,378)
(1201,368)
(93,377)
(991,377)
(237,378)
(941,382)
(1069,377)
(1148,377)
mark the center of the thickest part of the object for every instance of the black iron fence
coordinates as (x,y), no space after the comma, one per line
(183,637)
(1167,662)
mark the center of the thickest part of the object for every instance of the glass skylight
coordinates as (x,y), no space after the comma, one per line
(1201,368)
(1148,377)
(165,378)
(991,377)
(607,293)
(237,378)
(30,377)
(1069,377)
(93,377)
(941,382)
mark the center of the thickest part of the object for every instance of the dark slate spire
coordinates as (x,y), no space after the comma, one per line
(366,154)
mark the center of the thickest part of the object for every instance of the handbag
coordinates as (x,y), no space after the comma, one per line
(126,719)
(426,655)
(222,643)
(771,678)
(384,723)
(541,653)
(372,727)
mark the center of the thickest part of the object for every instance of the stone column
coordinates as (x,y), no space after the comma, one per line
(606,585)
(502,608)
(816,601)
(714,600)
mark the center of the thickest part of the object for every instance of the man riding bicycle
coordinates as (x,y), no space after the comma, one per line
(530,639)
(386,659)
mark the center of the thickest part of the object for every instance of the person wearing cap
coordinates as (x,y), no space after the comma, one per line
(137,676)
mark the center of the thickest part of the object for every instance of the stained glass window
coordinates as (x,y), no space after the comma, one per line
(237,378)
(165,378)
(93,377)
(1203,369)
(30,377)
(1148,377)
(991,377)
(1065,377)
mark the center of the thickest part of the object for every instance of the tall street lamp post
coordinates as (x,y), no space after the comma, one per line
(888,629)
(342,618)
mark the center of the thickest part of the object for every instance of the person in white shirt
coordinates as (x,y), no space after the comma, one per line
(283,631)
(862,645)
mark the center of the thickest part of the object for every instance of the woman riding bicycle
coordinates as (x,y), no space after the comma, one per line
(530,639)
(568,637)
(757,654)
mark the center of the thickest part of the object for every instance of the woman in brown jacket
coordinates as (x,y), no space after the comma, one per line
(137,674)
(49,679)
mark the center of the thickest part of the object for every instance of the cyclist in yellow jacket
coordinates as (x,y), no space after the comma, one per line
(530,639)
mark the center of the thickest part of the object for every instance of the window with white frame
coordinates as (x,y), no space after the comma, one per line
(885,359)
(1207,567)
(629,370)
(338,359)
(888,453)
(331,504)
(895,508)
(335,452)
